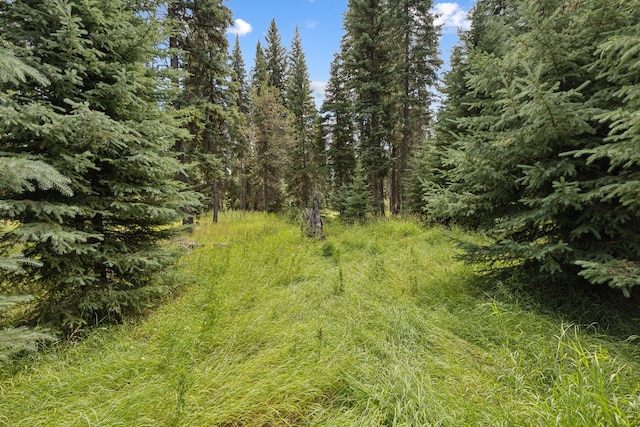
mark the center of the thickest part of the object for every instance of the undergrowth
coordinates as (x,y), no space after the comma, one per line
(376,325)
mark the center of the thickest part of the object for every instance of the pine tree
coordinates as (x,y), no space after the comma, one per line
(416,45)
(259,73)
(271,142)
(534,161)
(276,59)
(99,124)
(238,131)
(304,173)
(20,175)
(206,92)
(368,59)
(338,121)
(357,197)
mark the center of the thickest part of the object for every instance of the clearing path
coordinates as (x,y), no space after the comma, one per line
(377,325)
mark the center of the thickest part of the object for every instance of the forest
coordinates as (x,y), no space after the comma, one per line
(136,142)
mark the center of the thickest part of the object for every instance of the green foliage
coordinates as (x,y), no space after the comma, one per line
(275,55)
(303,176)
(239,77)
(415,39)
(238,127)
(272,140)
(531,151)
(368,59)
(357,197)
(259,73)
(337,120)
(14,70)
(207,95)
(100,125)
(19,175)
(17,340)
(382,81)
(275,330)
(14,341)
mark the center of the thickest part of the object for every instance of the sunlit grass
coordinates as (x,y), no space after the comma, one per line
(378,324)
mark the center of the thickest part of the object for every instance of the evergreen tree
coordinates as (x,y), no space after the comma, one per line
(615,258)
(449,160)
(276,59)
(239,77)
(19,175)
(368,59)
(416,44)
(357,197)
(239,138)
(304,173)
(271,141)
(537,161)
(259,73)
(99,124)
(206,93)
(338,121)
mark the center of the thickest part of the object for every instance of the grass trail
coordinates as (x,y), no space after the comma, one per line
(375,326)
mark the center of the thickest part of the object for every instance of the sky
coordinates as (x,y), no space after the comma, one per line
(320,24)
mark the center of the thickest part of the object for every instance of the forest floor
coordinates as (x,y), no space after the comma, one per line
(376,325)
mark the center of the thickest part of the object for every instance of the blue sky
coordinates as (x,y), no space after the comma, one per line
(320,23)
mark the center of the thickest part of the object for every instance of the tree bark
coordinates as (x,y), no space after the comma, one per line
(180,144)
(216,202)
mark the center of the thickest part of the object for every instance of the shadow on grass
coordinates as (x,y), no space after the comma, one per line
(602,309)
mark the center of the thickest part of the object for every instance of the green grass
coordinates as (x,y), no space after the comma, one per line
(377,325)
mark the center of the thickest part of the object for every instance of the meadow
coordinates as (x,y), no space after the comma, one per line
(374,325)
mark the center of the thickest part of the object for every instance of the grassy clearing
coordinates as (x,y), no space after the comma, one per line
(375,326)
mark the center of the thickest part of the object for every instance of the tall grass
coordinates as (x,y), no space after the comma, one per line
(377,325)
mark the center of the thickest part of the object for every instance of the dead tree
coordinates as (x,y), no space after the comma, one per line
(312,219)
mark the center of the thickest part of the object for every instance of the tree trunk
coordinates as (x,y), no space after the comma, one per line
(180,145)
(379,195)
(243,189)
(265,191)
(315,221)
(216,202)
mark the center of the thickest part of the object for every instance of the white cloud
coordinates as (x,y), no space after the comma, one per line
(451,15)
(240,27)
(311,24)
(317,89)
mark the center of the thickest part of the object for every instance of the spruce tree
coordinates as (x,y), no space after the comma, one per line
(259,73)
(271,142)
(206,93)
(340,138)
(368,59)
(100,124)
(615,259)
(415,43)
(239,77)
(238,128)
(531,162)
(357,197)
(303,176)
(276,59)
(19,175)
(449,160)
